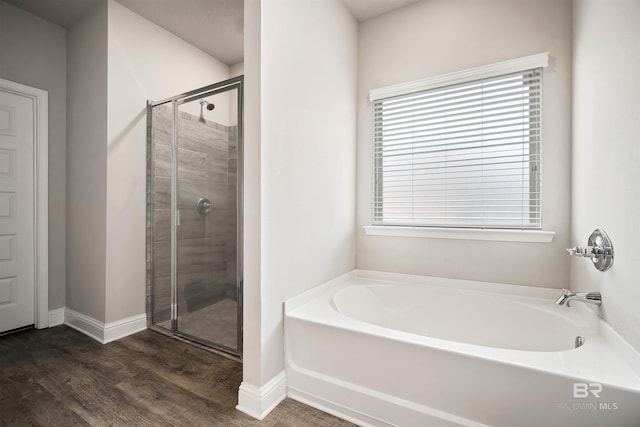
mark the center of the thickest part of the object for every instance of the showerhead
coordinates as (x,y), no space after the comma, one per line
(210,107)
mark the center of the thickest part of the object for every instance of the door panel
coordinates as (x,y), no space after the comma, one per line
(160,215)
(17,278)
(207,302)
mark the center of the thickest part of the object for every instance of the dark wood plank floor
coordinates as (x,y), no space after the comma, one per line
(59,377)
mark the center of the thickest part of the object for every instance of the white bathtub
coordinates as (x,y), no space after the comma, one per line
(390,349)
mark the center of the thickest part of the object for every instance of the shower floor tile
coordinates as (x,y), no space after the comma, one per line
(215,323)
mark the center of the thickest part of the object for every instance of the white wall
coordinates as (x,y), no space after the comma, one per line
(33,52)
(236,69)
(435,37)
(87,164)
(606,153)
(308,83)
(146,62)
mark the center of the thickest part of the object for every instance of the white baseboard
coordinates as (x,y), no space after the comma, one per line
(56,317)
(85,324)
(101,332)
(122,328)
(259,401)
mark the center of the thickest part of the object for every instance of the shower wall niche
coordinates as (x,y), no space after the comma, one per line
(194,286)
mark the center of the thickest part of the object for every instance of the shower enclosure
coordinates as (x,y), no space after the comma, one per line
(194,216)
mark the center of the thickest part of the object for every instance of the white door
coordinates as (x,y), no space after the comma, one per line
(17,198)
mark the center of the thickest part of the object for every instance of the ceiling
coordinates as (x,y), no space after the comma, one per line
(62,12)
(214,26)
(367,9)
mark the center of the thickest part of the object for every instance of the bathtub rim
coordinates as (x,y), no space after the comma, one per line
(385,277)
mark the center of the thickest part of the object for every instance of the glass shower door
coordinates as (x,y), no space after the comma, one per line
(194,216)
(207,292)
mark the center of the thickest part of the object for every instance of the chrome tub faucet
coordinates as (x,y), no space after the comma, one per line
(589,297)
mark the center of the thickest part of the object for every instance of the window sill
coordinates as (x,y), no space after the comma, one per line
(527,236)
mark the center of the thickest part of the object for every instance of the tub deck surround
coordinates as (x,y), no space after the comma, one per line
(392,349)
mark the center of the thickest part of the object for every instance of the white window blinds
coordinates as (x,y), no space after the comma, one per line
(465,155)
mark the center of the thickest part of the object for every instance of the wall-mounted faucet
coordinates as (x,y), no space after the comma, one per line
(589,297)
(599,249)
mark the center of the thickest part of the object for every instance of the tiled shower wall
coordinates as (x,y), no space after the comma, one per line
(207,168)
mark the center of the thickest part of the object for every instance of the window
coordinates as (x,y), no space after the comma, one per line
(460,155)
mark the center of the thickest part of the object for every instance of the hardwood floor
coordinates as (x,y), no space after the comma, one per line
(60,377)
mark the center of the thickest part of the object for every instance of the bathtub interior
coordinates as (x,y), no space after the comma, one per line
(462,316)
